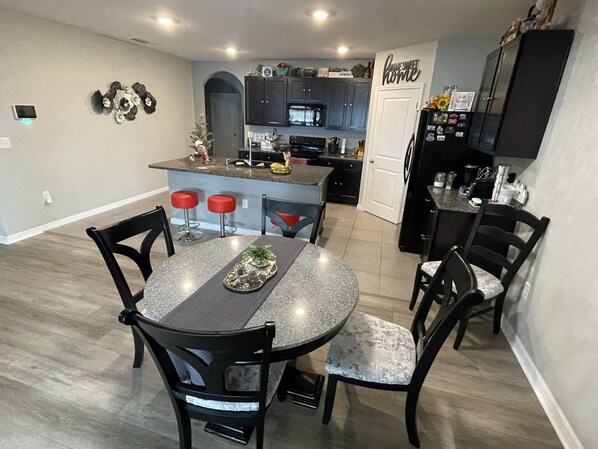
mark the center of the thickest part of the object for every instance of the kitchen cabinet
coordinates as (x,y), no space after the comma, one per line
(347,103)
(519,86)
(265,101)
(344,182)
(306,90)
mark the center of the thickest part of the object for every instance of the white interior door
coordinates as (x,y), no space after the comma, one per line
(394,121)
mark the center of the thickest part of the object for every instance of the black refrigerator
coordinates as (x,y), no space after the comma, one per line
(439,145)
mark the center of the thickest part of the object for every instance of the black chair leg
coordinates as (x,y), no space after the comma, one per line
(138,350)
(184,424)
(461,331)
(330,394)
(411,419)
(416,287)
(498,305)
(259,435)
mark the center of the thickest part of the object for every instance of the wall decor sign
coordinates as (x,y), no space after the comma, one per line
(461,101)
(124,101)
(395,72)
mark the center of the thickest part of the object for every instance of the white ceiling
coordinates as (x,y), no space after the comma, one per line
(275,29)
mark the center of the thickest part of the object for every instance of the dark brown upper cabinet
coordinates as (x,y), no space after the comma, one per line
(519,86)
(306,90)
(347,103)
(265,101)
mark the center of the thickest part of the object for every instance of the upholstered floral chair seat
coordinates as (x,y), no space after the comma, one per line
(489,285)
(372,350)
(240,378)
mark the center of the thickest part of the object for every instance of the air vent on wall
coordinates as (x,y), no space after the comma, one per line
(140,40)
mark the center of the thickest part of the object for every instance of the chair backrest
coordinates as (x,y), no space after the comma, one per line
(453,271)
(109,241)
(309,213)
(208,353)
(485,238)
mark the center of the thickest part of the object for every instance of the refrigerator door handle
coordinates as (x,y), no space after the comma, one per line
(407,165)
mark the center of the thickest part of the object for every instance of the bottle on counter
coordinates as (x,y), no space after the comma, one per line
(450,179)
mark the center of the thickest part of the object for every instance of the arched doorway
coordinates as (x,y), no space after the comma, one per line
(224,113)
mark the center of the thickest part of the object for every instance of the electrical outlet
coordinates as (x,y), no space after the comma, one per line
(5,142)
(526,288)
(244,203)
(47,197)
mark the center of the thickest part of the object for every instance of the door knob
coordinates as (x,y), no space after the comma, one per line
(371,161)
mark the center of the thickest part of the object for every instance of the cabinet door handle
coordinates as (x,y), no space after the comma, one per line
(345,104)
(487,98)
(424,237)
(351,105)
(262,101)
(371,161)
(309,90)
(303,90)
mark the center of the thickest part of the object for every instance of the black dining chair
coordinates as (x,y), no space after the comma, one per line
(496,255)
(109,240)
(374,353)
(292,216)
(221,377)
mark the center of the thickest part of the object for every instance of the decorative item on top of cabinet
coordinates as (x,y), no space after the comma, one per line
(519,86)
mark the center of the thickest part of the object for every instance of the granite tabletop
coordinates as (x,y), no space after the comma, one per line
(301,174)
(449,200)
(316,295)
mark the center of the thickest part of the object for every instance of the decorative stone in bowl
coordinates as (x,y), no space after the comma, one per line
(247,276)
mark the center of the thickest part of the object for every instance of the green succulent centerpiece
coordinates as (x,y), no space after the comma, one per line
(259,255)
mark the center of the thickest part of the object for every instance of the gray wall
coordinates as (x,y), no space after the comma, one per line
(86,161)
(557,324)
(460,62)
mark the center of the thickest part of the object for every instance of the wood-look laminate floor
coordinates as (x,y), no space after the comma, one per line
(66,379)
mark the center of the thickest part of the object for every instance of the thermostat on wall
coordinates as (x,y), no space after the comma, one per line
(24,111)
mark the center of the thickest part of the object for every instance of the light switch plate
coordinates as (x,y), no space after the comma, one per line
(5,142)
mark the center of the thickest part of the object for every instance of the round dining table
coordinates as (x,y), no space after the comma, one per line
(309,304)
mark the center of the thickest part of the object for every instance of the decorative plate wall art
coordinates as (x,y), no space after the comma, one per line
(124,100)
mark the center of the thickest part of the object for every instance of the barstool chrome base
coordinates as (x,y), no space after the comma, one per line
(188,235)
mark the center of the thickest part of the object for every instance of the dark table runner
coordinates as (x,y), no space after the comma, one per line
(214,308)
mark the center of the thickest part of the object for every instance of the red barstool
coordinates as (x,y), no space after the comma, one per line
(222,204)
(290,219)
(185,200)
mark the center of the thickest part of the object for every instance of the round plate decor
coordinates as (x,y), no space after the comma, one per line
(247,278)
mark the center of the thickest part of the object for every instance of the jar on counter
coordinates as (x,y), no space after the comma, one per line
(439,179)
(450,179)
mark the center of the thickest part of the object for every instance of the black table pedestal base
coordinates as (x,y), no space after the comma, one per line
(239,434)
(304,387)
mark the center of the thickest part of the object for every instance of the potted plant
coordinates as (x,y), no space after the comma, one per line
(259,256)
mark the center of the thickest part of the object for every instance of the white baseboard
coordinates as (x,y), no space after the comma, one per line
(556,416)
(7,240)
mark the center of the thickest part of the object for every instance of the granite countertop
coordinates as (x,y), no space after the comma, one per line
(449,200)
(316,294)
(301,174)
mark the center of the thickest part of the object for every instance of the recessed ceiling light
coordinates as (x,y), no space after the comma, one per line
(231,50)
(166,21)
(342,50)
(320,14)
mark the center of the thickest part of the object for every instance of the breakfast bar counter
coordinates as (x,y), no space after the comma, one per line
(305,183)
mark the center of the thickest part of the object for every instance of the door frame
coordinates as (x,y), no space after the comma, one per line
(370,130)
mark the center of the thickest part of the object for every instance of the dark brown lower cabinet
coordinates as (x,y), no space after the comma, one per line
(343,183)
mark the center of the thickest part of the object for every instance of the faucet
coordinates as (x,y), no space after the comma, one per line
(250,162)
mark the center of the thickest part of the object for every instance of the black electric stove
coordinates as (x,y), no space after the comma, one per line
(307,147)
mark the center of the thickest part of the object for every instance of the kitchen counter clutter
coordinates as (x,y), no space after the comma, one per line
(449,200)
(305,183)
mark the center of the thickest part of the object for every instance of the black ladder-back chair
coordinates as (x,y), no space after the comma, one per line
(109,238)
(310,213)
(394,357)
(480,251)
(225,349)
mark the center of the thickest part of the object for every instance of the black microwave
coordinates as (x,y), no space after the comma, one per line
(311,115)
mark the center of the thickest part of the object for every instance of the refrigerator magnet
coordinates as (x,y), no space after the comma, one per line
(439,130)
(431,128)
(459,134)
(453,119)
(441,138)
(439,118)
(449,130)
(462,116)
(430,137)
(461,125)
